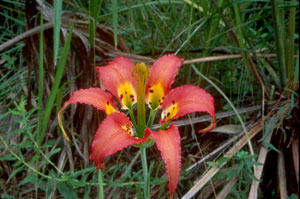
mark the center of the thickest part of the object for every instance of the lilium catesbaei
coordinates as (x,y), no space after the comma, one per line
(115,132)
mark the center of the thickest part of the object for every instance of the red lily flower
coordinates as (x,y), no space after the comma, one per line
(115,132)
(175,103)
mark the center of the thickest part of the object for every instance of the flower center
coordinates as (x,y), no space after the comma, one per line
(109,109)
(170,112)
(127,95)
(156,96)
(128,129)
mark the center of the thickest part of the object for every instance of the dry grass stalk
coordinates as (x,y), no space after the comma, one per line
(230,153)
(226,189)
(253,194)
(282,176)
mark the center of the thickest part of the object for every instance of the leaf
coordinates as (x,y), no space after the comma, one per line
(66,190)
(57,22)
(31,178)
(268,144)
(80,172)
(17,170)
(55,86)
(228,129)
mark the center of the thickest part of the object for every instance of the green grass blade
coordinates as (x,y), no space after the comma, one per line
(115,21)
(242,41)
(290,43)
(55,87)
(57,23)
(279,39)
(229,102)
(41,77)
(40,93)
(94,10)
(296,75)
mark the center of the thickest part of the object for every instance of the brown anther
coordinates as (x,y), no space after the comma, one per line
(121,96)
(151,91)
(168,114)
(131,96)
(107,103)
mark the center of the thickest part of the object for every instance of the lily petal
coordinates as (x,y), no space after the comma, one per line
(114,134)
(168,143)
(92,96)
(187,99)
(162,74)
(116,78)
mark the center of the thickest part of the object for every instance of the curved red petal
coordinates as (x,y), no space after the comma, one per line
(112,135)
(116,78)
(168,143)
(187,99)
(162,74)
(91,96)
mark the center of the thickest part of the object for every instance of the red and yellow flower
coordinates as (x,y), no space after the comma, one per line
(116,131)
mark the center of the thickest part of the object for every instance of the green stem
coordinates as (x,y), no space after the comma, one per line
(132,119)
(164,126)
(100,181)
(151,118)
(145,173)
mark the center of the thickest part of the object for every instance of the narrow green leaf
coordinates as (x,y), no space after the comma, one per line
(15,171)
(279,38)
(57,23)
(290,42)
(66,190)
(31,178)
(94,10)
(296,75)
(55,86)
(115,21)
(41,78)
(268,144)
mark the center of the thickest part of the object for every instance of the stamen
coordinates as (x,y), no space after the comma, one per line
(127,95)
(170,112)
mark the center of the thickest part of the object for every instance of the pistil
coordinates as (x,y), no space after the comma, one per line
(141,72)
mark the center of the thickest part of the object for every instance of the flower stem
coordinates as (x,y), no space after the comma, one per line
(101,191)
(151,118)
(145,173)
(132,119)
(164,126)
